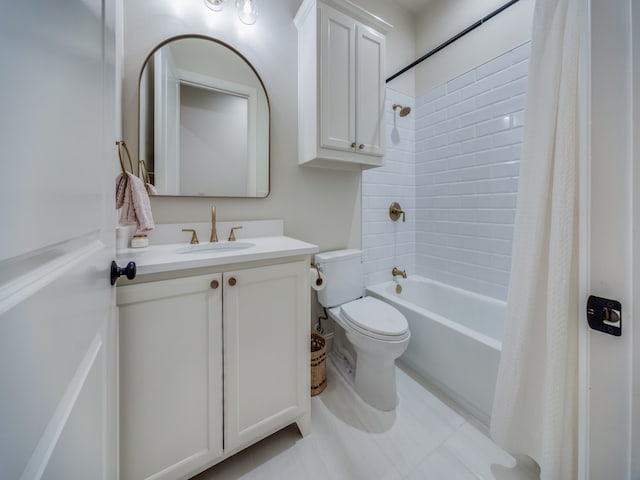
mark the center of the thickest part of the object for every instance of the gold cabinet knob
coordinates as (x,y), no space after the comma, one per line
(215,284)
(353,145)
(232,281)
(361,146)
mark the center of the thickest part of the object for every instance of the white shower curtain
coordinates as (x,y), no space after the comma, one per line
(535,407)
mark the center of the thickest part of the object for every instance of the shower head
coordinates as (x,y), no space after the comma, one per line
(404,111)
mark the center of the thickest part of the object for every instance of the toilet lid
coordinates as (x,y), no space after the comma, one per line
(375,316)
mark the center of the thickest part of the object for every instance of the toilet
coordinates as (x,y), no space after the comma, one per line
(370,334)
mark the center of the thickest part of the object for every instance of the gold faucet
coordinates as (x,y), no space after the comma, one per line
(396,271)
(214,234)
(232,235)
(194,236)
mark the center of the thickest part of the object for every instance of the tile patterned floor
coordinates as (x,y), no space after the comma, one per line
(424,439)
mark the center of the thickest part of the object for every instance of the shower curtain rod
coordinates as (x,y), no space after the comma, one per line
(453,39)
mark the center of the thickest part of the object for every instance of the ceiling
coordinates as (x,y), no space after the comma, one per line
(414,6)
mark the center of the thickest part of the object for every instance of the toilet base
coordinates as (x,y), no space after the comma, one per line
(368,364)
(374,383)
(344,368)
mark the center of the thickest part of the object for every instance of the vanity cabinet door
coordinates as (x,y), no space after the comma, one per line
(266,351)
(170,377)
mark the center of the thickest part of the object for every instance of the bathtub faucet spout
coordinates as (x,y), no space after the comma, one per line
(397,271)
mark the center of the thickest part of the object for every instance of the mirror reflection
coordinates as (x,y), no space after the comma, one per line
(204,121)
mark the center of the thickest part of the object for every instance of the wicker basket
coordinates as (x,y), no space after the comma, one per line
(318,364)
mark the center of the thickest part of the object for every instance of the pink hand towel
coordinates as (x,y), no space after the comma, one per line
(132,199)
(151,189)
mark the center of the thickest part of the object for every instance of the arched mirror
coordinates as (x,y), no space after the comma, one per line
(204,121)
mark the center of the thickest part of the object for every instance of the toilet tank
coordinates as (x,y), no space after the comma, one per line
(343,272)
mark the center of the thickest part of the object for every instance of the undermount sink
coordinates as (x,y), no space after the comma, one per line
(218,247)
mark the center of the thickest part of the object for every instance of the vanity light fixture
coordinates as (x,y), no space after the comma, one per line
(247,11)
(215,5)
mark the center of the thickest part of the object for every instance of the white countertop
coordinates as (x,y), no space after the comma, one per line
(163,258)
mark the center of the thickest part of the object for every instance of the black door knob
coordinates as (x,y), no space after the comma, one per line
(116,271)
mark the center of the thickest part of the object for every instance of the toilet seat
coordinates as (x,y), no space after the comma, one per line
(376,319)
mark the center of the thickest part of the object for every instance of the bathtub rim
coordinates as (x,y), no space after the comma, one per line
(380,290)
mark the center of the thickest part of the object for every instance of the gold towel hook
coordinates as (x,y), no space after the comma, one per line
(121,143)
(124,170)
(144,171)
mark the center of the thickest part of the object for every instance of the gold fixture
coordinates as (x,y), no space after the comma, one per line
(361,146)
(232,235)
(120,143)
(194,235)
(313,265)
(353,145)
(398,289)
(215,284)
(396,271)
(232,281)
(395,210)
(214,234)
(144,171)
(404,111)
(145,174)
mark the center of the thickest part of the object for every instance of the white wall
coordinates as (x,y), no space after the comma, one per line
(635,342)
(401,41)
(611,256)
(443,19)
(213,142)
(319,206)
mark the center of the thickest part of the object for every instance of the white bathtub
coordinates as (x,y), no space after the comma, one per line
(455,338)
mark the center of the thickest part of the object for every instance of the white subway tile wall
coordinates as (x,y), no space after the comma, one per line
(468,144)
(387,244)
(453,165)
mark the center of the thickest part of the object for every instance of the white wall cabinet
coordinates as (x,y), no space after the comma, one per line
(341,86)
(210,364)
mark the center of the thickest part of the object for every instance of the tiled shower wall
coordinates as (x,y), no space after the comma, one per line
(453,165)
(387,244)
(468,147)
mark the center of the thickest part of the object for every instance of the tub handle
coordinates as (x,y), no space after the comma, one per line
(395,211)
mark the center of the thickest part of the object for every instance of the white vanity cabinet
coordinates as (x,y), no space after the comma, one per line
(341,86)
(171,392)
(266,351)
(210,364)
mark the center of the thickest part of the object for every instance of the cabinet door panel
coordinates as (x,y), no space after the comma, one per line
(266,338)
(337,72)
(370,88)
(170,377)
